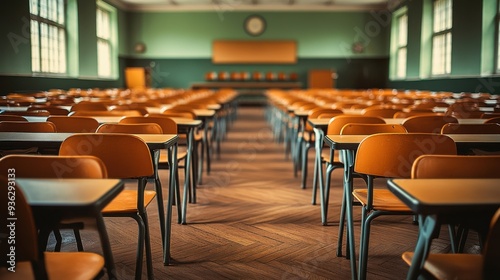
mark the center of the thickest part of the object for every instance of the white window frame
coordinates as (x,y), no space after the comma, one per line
(48,36)
(441,37)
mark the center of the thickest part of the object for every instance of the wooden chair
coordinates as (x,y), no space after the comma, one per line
(489,115)
(12,118)
(106,113)
(56,167)
(135,128)
(427,124)
(29,263)
(357,129)
(168,126)
(126,157)
(35,113)
(379,112)
(456,166)
(89,106)
(22,126)
(404,115)
(331,158)
(493,120)
(74,124)
(486,128)
(466,266)
(53,110)
(389,156)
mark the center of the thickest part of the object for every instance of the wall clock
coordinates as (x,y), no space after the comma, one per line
(254,25)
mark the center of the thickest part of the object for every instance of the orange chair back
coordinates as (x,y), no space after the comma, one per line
(427,124)
(392,155)
(493,120)
(456,166)
(74,124)
(486,128)
(168,126)
(54,166)
(379,112)
(135,128)
(89,106)
(337,123)
(368,129)
(125,155)
(12,118)
(20,126)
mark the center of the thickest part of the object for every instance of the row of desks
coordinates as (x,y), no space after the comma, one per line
(86,196)
(415,193)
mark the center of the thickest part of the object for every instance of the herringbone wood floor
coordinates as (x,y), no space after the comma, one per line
(253,221)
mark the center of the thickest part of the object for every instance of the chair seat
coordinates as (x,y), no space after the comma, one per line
(451,266)
(60,265)
(325,155)
(126,202)
(383,200)
(181,154)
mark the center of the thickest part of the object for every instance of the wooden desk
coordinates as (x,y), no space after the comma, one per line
(21,140)
(348,144)
(55,199)
(437,200)
(246,85)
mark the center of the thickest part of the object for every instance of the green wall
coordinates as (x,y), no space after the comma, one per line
(318,34)
(179,46)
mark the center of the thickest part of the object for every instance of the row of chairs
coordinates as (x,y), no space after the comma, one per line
(119,156)
(113,150)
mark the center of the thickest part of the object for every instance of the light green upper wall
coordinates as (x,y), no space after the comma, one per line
(318,34)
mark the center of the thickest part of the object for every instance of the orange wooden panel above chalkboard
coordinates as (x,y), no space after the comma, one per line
(269,52)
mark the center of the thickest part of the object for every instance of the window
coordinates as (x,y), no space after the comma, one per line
(402,41)
(104,50)
(498,37)
(441,37)
(48,36)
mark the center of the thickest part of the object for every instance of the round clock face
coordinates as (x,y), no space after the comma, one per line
(255,25)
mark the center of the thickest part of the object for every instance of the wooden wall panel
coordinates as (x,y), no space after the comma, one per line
(268,52)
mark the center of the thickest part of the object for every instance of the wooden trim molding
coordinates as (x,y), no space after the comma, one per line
(253,52)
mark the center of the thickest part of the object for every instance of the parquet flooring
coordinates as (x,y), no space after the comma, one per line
(253,221)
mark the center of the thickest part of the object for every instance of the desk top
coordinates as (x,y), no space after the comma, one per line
(246,84)
(68,193)
(437,196)
(54,140)
(116,119)
(351,142)
(323,123)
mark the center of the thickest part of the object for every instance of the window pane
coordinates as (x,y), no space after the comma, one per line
(35,47)
(34,7)
(103,42)
(403,30)
(401,67)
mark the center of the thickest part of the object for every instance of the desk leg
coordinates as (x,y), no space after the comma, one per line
(106,247)
(348,188)
(423,246)
(172,162)
(187,171)
(318,143)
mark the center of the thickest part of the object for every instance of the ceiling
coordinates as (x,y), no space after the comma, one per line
(255,5)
